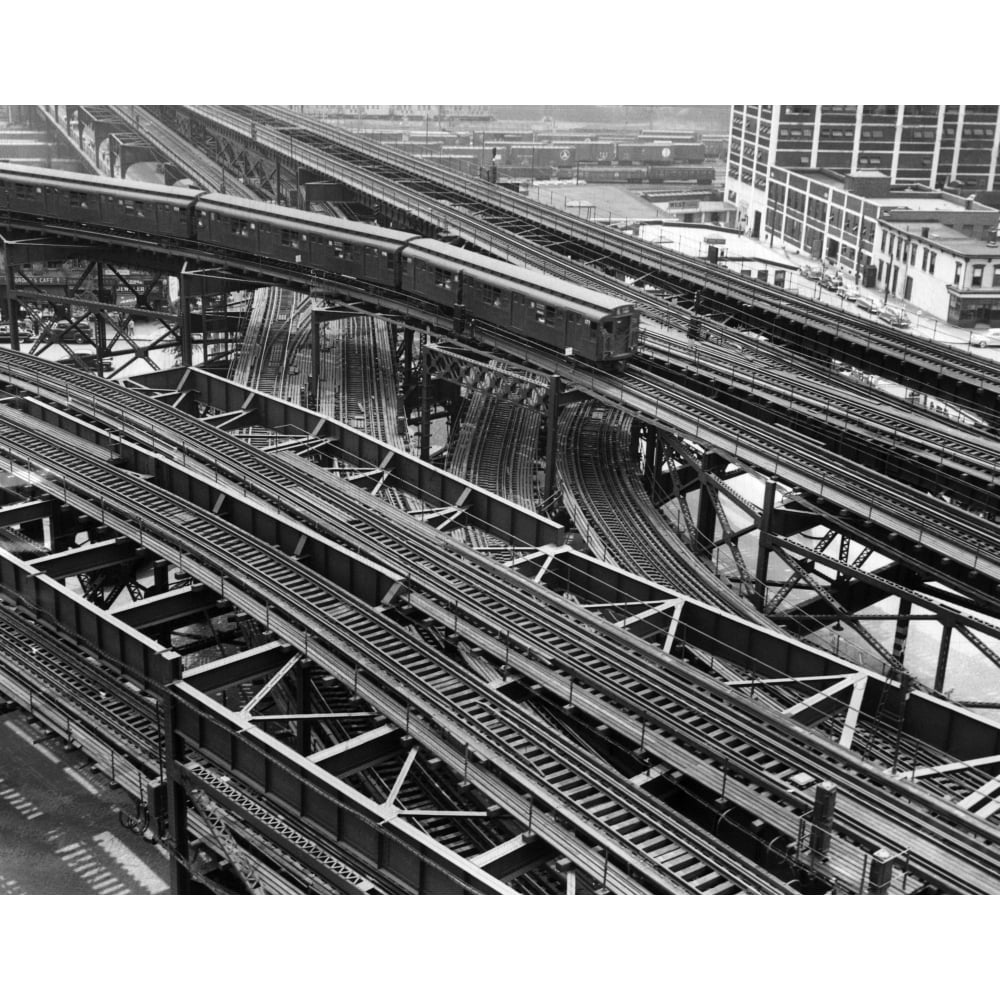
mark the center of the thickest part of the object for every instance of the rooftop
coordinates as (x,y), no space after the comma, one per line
(916,202)
(948,239)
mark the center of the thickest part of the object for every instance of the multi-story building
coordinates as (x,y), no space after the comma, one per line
(950,271)
(887,192)
(947,146)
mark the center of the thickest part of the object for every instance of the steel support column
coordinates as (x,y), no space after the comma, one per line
(15,338)
(425,406)
(947,624)
(822,818)
(902,629)
(181,882)
(759,596)
(707,499)
(100,326)
(302,700)
(184,312)
(407,359)
(314,374)
(551,437)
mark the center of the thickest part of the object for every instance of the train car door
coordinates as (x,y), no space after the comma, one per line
(518,312)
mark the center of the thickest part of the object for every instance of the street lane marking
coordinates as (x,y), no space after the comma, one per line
(28,738)
(98,877)
(132,863)
(82,781)
(22,804)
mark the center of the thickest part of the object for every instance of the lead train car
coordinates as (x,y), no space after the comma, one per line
(564,317)
(526,302)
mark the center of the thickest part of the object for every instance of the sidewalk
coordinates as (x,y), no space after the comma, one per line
(922,324)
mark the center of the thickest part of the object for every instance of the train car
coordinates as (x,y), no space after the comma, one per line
(571,319)
(320,244)
(687,152)
(594,152)
(598,174)
(468,286)
(642,152)
(123,207)
(540,156)
(663,172)
(716,147)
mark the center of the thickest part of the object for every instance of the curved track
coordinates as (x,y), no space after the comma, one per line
(613,675)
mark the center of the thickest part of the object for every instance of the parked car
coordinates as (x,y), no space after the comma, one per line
(811,271)
(866,304)
(894,316)
(985,338)
(831,280)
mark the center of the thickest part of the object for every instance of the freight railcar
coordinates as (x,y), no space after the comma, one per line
(600,174)
(687,152)
(468,286)
(594,152)
(541,156)
(659,173)
(642,152)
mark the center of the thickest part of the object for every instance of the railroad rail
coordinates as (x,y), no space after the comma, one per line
(648,706)
(412,682)
(477,211)
(620,521)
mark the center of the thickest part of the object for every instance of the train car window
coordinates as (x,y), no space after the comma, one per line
(201,219)
(441,278)
(338,248)
(238,227)
(539,311)
(551,315)
(77,199)
(289,239)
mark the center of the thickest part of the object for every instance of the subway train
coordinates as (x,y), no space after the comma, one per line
(468,287)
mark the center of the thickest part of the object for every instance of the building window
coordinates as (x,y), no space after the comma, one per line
(884,236)
(977,275)
(913,253)
(908,288)
(892,244)
(930,266)
(996,275)
(958,274)
(923,261)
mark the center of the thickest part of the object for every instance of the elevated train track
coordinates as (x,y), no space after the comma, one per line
(481,213)
(415,686)
(860,492)
(561,684)
(646,698)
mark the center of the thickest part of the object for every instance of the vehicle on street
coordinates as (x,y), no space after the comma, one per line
(894,316)
(866,304)
(985,338)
